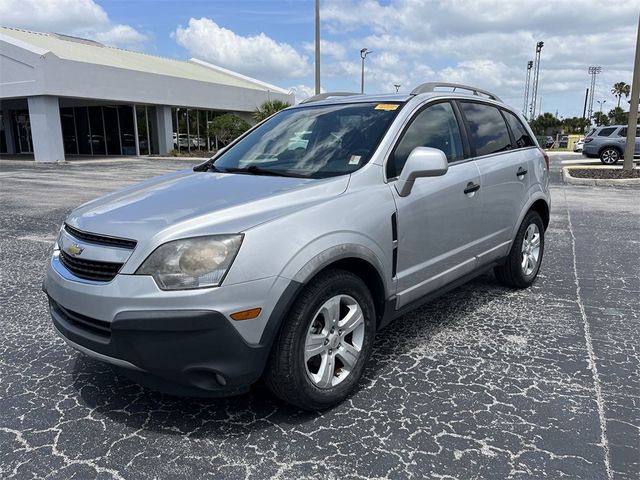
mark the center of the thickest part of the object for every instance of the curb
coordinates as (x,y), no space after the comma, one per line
(597,182)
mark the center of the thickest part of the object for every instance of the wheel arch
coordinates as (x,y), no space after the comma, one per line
(542,208)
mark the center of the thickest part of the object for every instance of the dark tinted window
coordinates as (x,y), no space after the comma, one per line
(622,132)
(488,131)
(435,127)
(605,132)
(520,134)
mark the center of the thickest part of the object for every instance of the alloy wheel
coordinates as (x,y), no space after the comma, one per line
(530,249)
(610,156)
(334,341)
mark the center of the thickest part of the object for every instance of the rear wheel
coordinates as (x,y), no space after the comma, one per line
(318,357)
(610,156)
(521,267)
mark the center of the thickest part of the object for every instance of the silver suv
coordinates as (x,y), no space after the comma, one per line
(281,257)
(608,143)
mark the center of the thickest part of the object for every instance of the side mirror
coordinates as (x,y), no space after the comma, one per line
(422,162)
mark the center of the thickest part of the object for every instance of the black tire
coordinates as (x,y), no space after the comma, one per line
(610,156)
(286,372)
(511,272)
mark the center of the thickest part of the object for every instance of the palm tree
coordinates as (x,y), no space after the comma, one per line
(268,108)
(619,89)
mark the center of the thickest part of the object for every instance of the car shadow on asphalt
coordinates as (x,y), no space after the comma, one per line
(123,401)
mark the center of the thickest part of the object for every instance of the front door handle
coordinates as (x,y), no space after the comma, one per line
(521,172)
(471,187)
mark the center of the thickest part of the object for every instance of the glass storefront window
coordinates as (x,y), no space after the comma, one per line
(3,138)
(152,125)
(193,129)
(127,135)
(82,130)
(183,138)
(143,133)
(97,131)
(69,140)
(110,115)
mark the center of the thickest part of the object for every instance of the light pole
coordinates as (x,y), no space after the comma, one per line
(363,54)
(397,85)
(601,102)
(526,87)
(534,97)
(317,47)
(593,71)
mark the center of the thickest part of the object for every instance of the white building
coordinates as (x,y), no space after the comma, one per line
(62,96)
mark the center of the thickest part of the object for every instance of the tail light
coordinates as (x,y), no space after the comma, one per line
(588,139)
(546,157)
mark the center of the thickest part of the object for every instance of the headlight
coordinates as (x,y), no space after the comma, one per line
(192,262)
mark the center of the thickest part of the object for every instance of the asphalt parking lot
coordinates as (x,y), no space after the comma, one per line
(483,383)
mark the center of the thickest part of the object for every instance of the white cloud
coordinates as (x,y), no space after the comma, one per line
(327,49)
(258,55)
(486,43)
(83,18)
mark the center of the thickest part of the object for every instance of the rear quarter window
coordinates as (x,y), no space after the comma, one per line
(606,132)
(487,128)
(520,134)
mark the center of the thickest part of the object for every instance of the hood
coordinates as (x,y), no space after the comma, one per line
(200,203)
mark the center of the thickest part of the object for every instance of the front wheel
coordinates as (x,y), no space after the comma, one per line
(609,156)
(521,267)
(325,341)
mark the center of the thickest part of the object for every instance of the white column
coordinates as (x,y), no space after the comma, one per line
(46,130)
(165,129)
(8,130)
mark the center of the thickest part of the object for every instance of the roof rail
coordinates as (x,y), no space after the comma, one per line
(324,96)
(431,87)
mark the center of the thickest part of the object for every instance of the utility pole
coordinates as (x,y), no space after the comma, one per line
(317,47)
(526,88)
(632,125)
(593,71)
(584,110)
(363,54)
(534,97)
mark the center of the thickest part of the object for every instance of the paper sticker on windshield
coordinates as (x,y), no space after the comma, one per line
(354,160)
(387,106)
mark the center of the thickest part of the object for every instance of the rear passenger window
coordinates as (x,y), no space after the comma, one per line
(520,133)
(605,132)
(435,127)
(622,132)
(489,133)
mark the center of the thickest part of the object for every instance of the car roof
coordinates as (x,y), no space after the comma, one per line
(397,97)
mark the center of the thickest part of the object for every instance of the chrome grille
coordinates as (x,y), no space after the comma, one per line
(100,239)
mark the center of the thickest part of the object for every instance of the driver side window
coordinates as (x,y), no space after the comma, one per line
(435,126)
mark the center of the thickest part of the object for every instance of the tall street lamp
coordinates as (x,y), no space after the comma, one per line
(317,52)
(363,54)
(397,85)
(601,102)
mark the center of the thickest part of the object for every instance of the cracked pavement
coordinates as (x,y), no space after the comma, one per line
(484,382)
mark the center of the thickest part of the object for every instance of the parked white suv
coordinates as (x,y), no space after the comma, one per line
(281,258)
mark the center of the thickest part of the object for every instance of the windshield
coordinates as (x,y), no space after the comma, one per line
(313,142)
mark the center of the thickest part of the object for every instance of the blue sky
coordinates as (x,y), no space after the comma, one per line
(482,42)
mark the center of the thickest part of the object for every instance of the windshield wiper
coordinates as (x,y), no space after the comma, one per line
(255,170)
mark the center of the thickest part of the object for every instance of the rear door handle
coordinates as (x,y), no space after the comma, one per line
(521,171)
(471,187)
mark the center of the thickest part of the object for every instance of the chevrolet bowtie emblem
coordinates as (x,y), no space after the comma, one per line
(75,249)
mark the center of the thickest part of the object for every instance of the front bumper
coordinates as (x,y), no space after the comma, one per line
(180,342)
(195,353)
